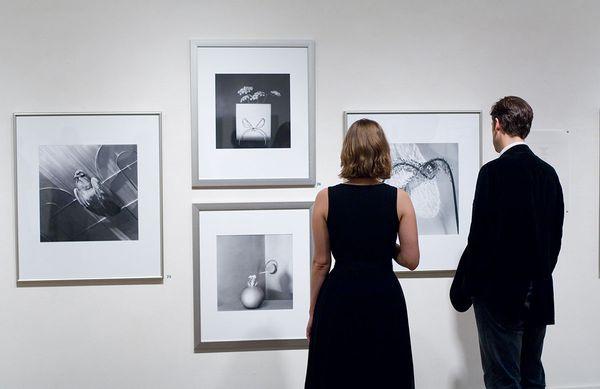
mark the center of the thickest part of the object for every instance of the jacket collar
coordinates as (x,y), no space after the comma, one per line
(510,146)
(516,149)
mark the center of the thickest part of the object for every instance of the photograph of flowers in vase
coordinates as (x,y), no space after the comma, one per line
(252,111)
(253,103)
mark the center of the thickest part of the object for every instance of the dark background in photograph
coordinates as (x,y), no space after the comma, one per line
(239,256)
(422,193)
(226,88)
(110,213)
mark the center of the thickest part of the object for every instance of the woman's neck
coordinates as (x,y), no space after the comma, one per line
(363,181)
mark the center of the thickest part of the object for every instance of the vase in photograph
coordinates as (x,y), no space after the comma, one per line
(253,122)
(252,297)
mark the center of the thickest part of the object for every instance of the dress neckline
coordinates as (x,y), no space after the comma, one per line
(366,185)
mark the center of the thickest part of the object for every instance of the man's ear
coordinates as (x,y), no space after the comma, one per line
(497,125)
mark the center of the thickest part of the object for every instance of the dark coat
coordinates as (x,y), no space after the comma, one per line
(514,240)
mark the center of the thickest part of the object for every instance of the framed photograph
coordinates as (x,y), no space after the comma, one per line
(253,113)
(251,275)
(436,158)
(88,197)
(555,146)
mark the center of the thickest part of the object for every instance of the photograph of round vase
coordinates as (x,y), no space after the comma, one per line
(253,122)
(253,295)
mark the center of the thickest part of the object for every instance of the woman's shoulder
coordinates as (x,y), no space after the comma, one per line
(399,192)
(400,196)
(332,188)
(323,192)
(394,190)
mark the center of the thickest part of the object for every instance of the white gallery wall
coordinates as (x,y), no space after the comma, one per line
(79,56)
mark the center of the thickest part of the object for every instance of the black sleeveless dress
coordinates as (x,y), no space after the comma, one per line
(360,336)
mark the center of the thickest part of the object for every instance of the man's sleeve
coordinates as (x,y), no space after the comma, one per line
(478,263)
(470,274)
(558,226)
(459,296)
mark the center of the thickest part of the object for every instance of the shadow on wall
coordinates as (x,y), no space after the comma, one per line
(466,330)
(248,369)
(284,283)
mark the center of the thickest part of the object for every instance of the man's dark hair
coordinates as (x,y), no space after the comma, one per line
(514,114)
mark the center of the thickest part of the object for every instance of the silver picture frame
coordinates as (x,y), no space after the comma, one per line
(81,281)
(239,345)
(225,182)
(422,273)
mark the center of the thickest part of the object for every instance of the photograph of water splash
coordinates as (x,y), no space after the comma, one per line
(88,193)
(428,172)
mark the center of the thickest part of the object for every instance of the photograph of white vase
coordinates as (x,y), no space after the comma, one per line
(253,295)
(254,272)
(251,274)
(253,122)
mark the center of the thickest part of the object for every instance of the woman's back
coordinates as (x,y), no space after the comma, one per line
(358,325)
(362,223)
(360,336)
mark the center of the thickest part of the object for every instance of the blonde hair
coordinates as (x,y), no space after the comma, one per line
(365,152)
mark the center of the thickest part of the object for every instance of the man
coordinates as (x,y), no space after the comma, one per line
(506,269)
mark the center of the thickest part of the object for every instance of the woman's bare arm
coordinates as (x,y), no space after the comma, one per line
(321,261)
(407,254)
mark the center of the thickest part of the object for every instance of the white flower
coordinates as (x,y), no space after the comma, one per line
(245,90)
(275,93)
(244,98)
(257,95)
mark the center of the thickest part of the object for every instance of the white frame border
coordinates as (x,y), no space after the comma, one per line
(249,182)
(422,273)
(88,281)
(245,345)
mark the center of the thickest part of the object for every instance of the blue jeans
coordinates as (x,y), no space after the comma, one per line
(510,353)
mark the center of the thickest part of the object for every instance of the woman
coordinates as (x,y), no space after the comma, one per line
(358,326)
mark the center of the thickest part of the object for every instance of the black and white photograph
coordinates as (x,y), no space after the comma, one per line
(252,111)
(254,272)
(428,172)
(251,275)
(88,192)
(436,157)
(89,198)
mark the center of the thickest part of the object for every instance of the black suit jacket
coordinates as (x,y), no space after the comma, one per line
(514,240)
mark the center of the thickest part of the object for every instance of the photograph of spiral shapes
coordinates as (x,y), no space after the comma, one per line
(428,172)
(252,111)
(88,192)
